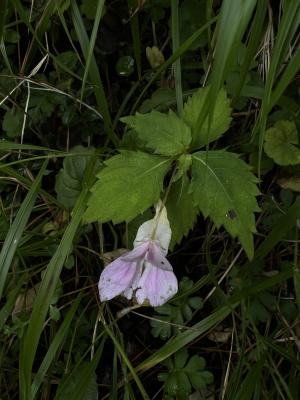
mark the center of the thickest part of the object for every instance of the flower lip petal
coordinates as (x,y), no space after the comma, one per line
(116,278)
(134,284)
(157,286)
(156,257)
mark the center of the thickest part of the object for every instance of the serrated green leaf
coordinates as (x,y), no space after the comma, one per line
(68,183)
(200,380)
(195,362)
(184,374)
(224,189)
(220,119)
(161,329)
(181,212)
(184,386)
(280,141)
(171,385)
(166,134)
(130,183)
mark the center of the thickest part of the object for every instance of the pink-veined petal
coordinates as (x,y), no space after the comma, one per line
(137,253)
(116,278)
(134,284)
(156,257)
(156,285)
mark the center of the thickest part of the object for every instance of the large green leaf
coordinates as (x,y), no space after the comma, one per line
(181,211)
(220,119)
(280,141)
(131,182)
(166,134)
(224,189)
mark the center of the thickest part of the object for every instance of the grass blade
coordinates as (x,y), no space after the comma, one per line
(93,71)
(232,24)
(76,389)
(209,322)
(127,362)
(286,29)
(286,78)
(46,290)
(249,384)
(54,346)
(16,230)
(90,52)
(185,338)
(285,223)
(253,45)
(135,33)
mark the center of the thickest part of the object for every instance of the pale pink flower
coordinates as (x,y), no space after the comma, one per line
(144,272)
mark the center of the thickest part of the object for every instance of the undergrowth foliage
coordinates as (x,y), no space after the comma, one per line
(133,180)
(109,109)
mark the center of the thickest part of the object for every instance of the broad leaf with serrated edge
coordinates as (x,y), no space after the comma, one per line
(220,120)
(280,141)
(130,183)
(181,212)
(166,134)
(224,189)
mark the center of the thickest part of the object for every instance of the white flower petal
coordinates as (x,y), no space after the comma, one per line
(156,229)
(163,231)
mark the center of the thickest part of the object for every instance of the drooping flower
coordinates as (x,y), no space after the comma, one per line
(144,272)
